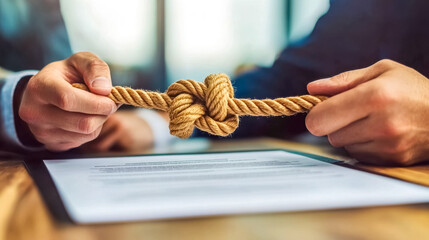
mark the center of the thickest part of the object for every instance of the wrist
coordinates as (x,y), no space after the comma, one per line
(22,130)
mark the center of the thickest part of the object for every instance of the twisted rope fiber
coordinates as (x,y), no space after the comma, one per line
(209,106)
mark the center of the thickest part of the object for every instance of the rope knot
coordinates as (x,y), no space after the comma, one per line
(209,106)
(204,105)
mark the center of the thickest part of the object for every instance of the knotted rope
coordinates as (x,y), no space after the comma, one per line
(210,106)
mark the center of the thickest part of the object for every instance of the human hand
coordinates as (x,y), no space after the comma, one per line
(379,114)
(125,131)
(60,116)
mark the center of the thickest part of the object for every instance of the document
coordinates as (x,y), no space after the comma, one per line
(131,188)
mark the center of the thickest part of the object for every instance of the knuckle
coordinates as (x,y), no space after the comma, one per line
(391,129)
(82,55)
(104,108)
(383,96)
(311,124)
(78,54)
(37,133)
(385,64)
(42,135)
(54,65)
(402,159)
(74,57)
(34,89)
(334,140)
(77,57)
(87,54)
(398,147)
(93,135)
(99,107)
(86,125)
(396,152)
(32,85)
(98,63)
(28,115)
(342,77)
(65,100)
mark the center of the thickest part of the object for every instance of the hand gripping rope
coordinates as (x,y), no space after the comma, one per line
(209,106)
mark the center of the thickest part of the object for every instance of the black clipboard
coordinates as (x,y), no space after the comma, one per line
(53,200)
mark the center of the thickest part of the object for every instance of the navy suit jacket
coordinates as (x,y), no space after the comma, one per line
(353,34)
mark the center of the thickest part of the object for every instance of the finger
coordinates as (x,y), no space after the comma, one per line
(60,147)
(379,153)
(95,72)
(339,111)
(108,126)
(52,136)
(68,144)
(360,131)
(348,80)
(338,83)
(108,140)
(363,153)
(50,116)
(68,98)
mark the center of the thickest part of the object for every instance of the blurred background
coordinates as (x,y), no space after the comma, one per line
(187,39)
(152,43)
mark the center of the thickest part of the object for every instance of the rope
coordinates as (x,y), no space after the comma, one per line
(209,106)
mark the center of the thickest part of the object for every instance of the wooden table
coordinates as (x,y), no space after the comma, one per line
(24,215)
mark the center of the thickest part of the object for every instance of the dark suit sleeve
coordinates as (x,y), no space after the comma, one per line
(347,37)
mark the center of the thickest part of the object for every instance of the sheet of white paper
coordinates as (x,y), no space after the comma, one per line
(170,186)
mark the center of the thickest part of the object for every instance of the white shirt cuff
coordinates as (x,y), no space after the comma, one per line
(158,125)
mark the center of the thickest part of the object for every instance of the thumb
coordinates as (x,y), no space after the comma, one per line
(95,72)
(343,81)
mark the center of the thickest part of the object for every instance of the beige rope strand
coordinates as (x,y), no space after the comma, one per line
(209,106)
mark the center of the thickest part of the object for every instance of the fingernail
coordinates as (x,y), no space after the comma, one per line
(101,83)
(114,109)
(321,81)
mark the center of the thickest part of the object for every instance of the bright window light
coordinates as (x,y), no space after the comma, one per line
(121,32)
(204,37)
